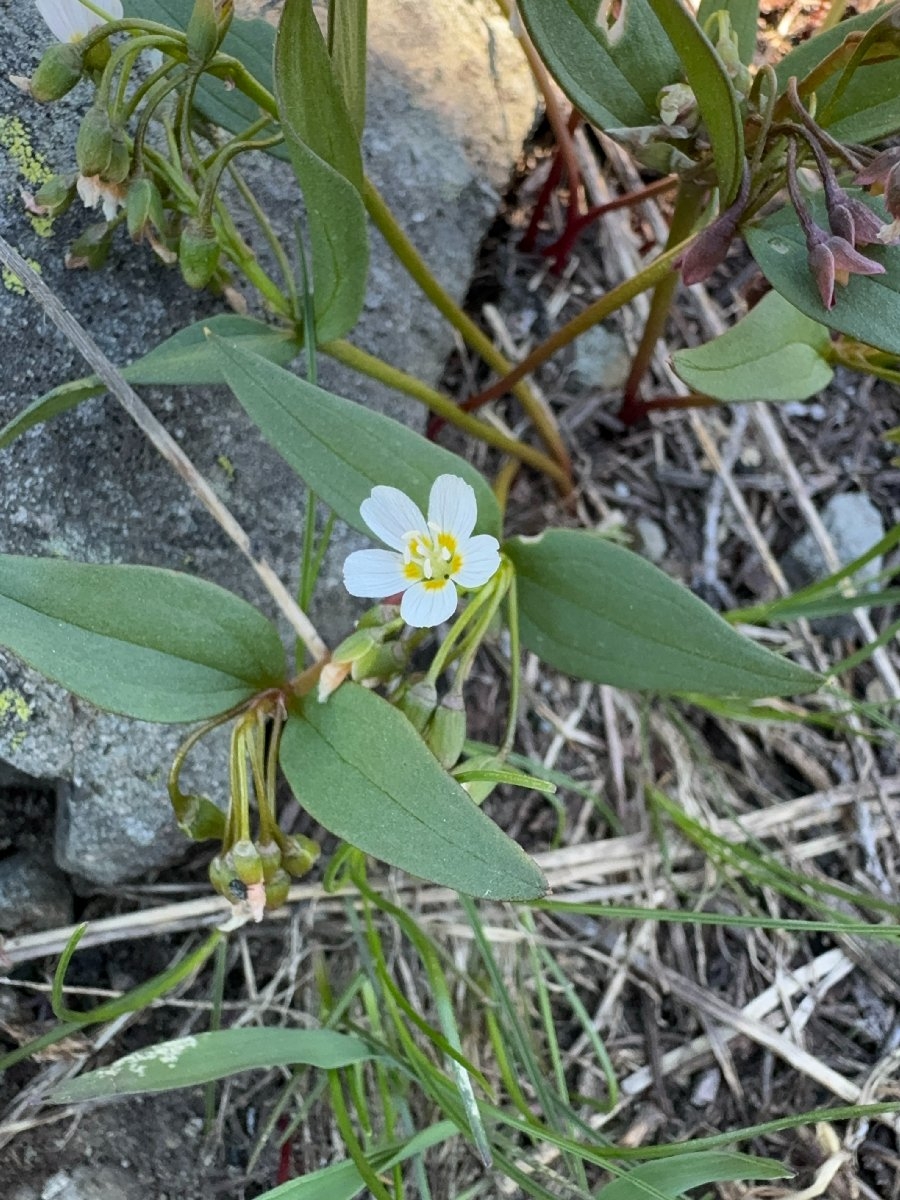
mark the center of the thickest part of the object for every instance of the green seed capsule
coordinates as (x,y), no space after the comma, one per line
(418,703)
(298,854)
(91,248)
(277,889)
(94,144)
(202,32)
(60,68)
(56,194)
(446,731)
(198,255)
(246,860)
(223,878)
(270,854)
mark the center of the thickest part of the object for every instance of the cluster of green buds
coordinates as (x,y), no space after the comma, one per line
(252,869)
(139,151)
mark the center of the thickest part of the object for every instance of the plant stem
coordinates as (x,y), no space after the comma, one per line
(687,208)
(367,364)
(539,415)
(601,308)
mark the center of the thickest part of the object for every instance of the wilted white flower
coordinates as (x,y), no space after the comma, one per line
(95,192)
(70,20)
(428,560)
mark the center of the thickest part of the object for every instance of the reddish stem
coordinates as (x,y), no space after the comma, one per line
(634,409)
(562,247)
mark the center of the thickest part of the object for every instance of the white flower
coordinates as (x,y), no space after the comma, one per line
(70,20)
(427,559)
(96,193)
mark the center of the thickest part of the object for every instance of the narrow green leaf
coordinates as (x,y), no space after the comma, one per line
(341,449)
(347,47)
(342,1181)
(711,84)
(324,149)
(149,643)
(775,352)
(251,42)
(672,1177)
(867,308)
(360,769)
(869,108)
(185,358)
(612,75)
(600,612)
(203,1057)
(744,16)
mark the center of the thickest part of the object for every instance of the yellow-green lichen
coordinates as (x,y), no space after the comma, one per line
(226,466)
(12,282)
(14,708)
(31,165)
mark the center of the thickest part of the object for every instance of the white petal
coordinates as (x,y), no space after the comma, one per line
(481,559)
(452,507)
(374,573)
(89,190)
(390,514)
(424,606)
(69,20)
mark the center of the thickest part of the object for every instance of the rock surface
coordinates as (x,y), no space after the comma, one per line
(854,525)
(33,895)
(87,486)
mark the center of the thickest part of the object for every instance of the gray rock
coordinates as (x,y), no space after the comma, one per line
(601,362)
(450,100)
(93,1183)
(33,895)
(854,525)
(651,539)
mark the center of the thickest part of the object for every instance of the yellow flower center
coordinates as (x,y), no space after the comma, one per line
(431,558)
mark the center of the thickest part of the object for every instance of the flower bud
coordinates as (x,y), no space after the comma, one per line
(382,663)
(359,646)
(270,855)
(298,853)
(119,163)
(60,68)
(277,889)
(892,192)
(678,106)
(94,144)
(143,207)
(246,861)
(378,615)
(56,194)
(418,703)
(446,731)
(198,255)
(202,32)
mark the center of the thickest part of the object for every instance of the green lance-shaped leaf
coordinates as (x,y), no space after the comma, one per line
(149,643)
(188,357)
(672,1177)
(347,47)
(869,107)
(612,75)
(599,612)
(360,769)
(324,149)
(251,42)
(744,16)
(340,449)
(774,353)
(204,1057)
(342,1180)
(711,84)
(867,308)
